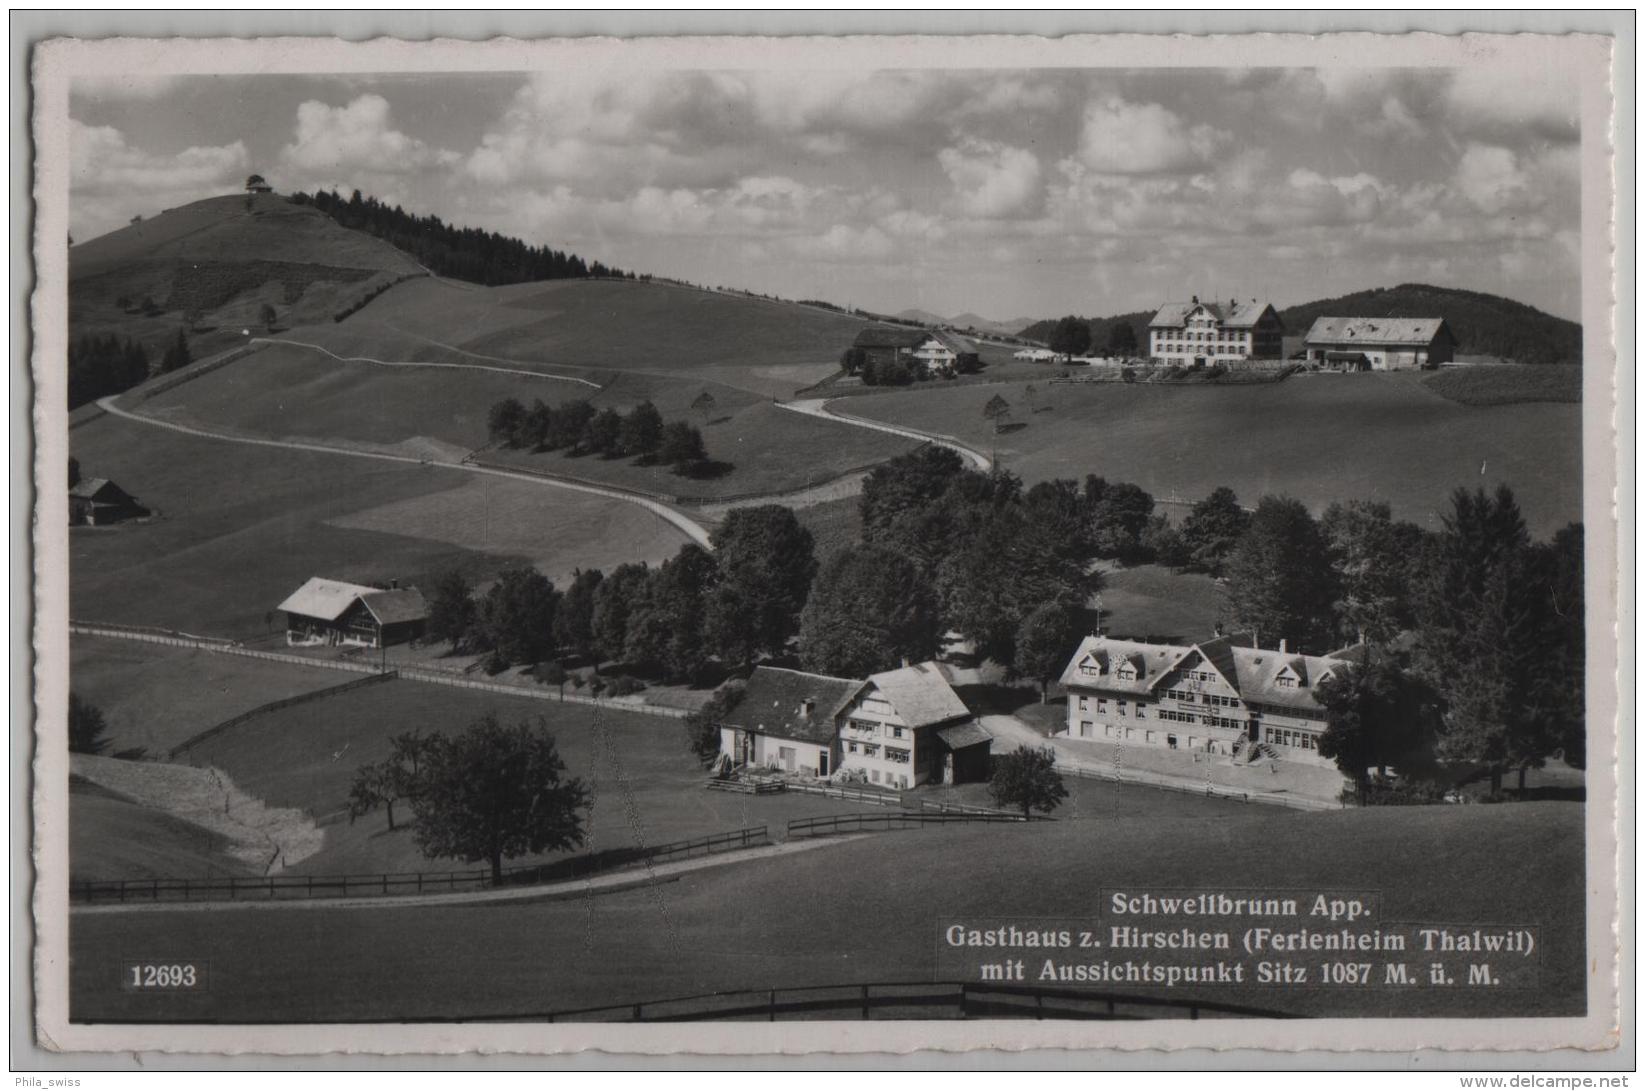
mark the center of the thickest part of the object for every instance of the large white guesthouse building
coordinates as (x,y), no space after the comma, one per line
(1224,697)
(1196,334)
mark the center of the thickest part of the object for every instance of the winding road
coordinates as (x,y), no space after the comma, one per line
(692,529)
(818,407)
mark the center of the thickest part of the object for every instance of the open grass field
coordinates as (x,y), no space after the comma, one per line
(1377,436)
(1147,601)
(154,696)
(763,925)
(110,834)
(1507,385)
(240,527)
(305,757)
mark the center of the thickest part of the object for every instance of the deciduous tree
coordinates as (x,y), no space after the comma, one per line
(642,431)
(702,728)
(451,610)
(868,610)
(1045,642)
(1376,715)
(1071,336)
(1213,528)
(574,616)
(494,792)
(766,561)
(1027,778)
(517,615)
(1280,580)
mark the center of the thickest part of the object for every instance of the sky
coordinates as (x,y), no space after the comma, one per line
(1004,193)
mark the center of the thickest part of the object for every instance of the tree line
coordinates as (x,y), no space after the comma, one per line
(464,253)
(577,428)
(100,365)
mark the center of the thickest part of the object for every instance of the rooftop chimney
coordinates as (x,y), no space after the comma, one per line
(806,706)
(1282,645)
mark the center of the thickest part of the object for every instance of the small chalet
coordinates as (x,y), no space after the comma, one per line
(1379,344)
(889,344)
(899,728)
(331,612)
(97,502)
(944,353)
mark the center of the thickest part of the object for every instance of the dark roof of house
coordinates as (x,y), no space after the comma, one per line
(961,736)
(89,488)
(891,337)
(775,703)
(396,605)
(1376,331)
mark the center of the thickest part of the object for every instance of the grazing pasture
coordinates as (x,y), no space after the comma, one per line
(1508,385)
(1318,438)
(756,925)
(155,696)
(111,835)
(239,527)
(305,757)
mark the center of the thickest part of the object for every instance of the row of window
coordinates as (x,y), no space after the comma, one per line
(1280,736)
(868,727)
(893,780)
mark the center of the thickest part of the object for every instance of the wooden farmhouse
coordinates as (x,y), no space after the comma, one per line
(331,612)
(897,729)
(97,502)
(1379,344)
(1223,697)
(889,344)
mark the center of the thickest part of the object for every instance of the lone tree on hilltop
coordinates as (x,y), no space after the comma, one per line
(1028,778)
(997,410)
(495,792)
(255,183)
(86,727)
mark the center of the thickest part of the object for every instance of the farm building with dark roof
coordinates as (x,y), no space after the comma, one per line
(97,501)
(332,612)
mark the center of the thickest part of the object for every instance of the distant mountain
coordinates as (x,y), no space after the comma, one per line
(1484,325)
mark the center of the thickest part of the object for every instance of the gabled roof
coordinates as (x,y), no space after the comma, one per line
(323,598)
(955,343)
(88,488)
(1158,660)
(396,605)
(961,736)
(920,694)
(888,337)
(1235,315)
(1377,331)
(774,704)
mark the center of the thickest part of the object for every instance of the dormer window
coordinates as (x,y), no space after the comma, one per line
(1285,681)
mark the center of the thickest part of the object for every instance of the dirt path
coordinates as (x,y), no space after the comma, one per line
(571,888)
(426,363)
(694,530)
(818,407)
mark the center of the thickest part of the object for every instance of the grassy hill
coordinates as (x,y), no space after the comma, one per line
(1319,438)
(220,261)
(1485,325)
(777,923)
(111,835)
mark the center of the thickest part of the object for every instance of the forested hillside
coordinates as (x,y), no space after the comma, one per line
(1485,325)
(463,253)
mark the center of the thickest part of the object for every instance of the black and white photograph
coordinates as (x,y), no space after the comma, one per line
(1000,540)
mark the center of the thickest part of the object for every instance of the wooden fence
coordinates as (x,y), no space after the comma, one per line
(303,887)
(903,1000)
(409,674)
(832,825)
(1213,791)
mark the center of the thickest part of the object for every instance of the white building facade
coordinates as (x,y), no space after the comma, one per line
(1196,334)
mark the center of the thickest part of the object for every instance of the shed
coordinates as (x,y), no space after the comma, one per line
(97,501)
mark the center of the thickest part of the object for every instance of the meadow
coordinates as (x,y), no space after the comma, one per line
(1507,385)
(1318,438)
(778,923)
(112,835)
(154,696)
(240,527)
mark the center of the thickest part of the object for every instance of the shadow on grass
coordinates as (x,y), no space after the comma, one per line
(1013,426)
(706,470)
(994,697)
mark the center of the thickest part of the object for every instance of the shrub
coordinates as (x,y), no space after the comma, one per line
(625,684)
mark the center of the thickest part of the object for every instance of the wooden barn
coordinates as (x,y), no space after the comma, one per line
(331,612)
(97,502)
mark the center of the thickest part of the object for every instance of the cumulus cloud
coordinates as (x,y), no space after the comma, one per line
(359,139)
(1491,178)
(993,180)
(110,180)
(1508,104)
(1121,137)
